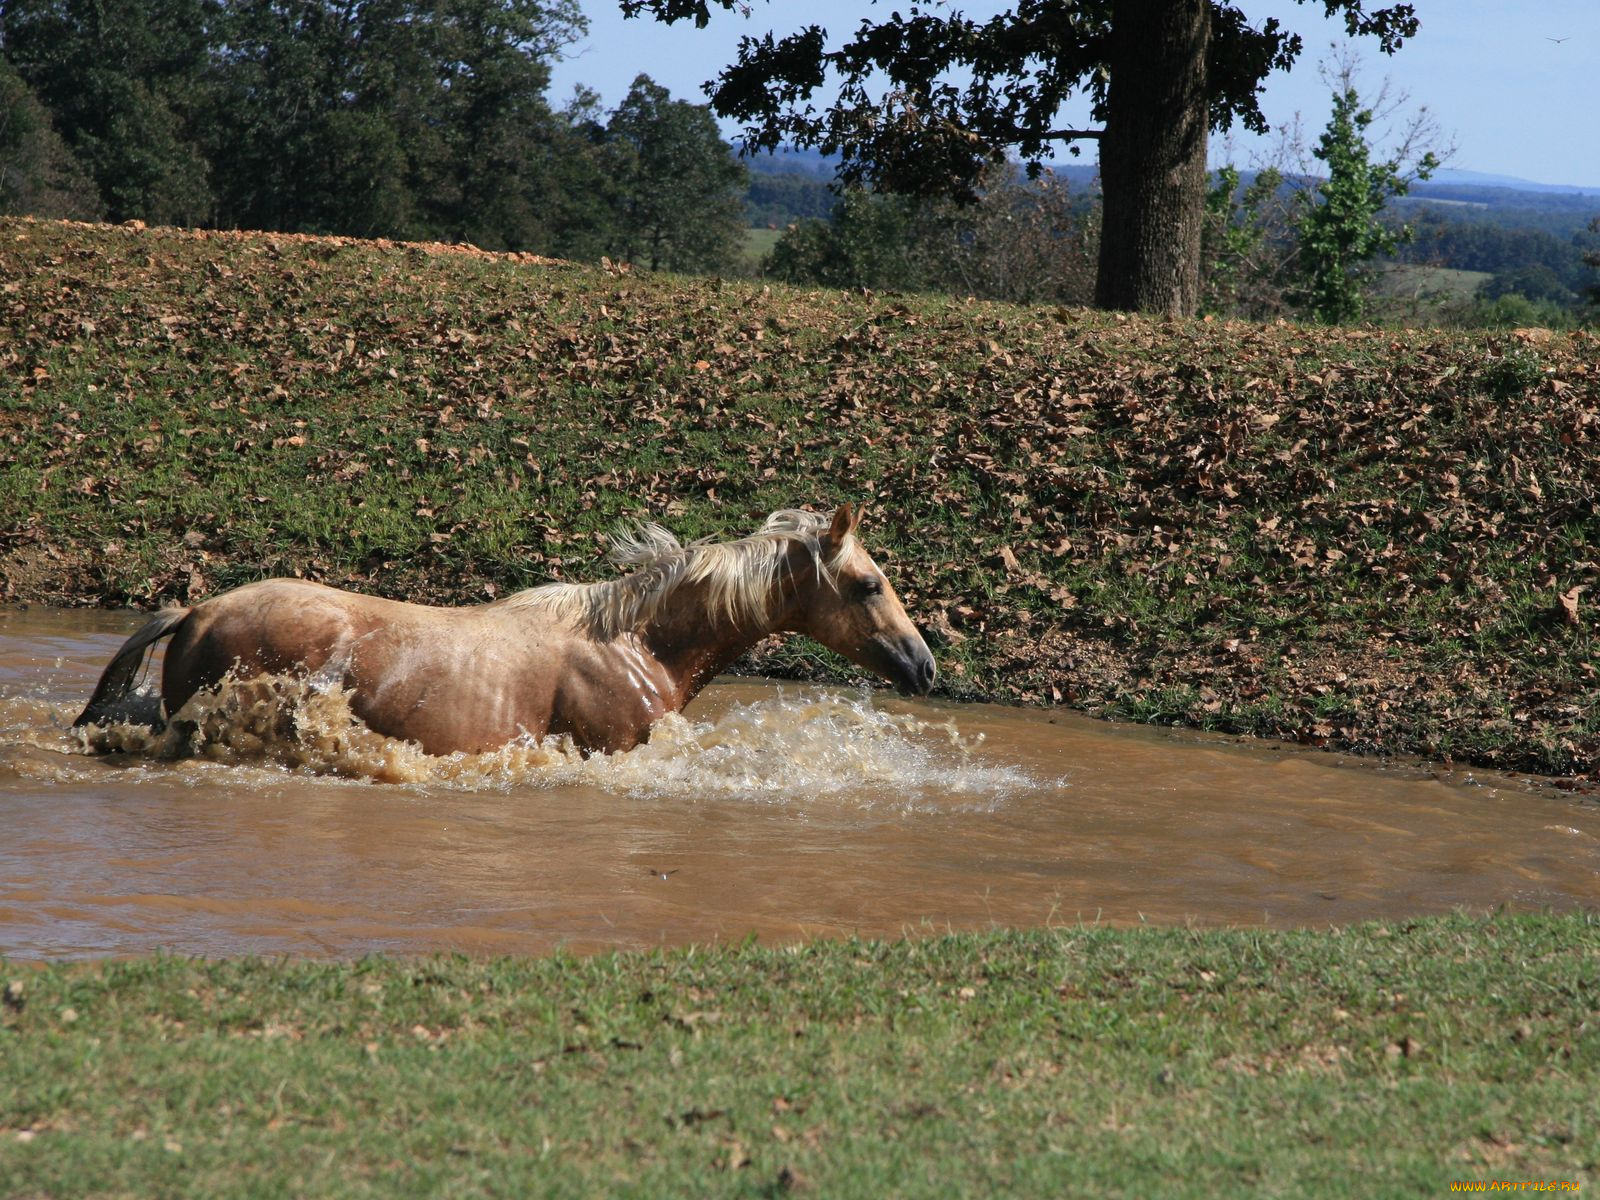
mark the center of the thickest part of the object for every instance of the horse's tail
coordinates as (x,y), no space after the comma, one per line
(111,693)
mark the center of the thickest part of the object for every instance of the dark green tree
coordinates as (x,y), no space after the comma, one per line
(290,148)
(578,164)
(123,81)
(390,117)
(1591,259)
(1534,280)
(1340,231)
(1246,244)
(868,241)
(1020,241)
(502,187)
(38,174)
(1159,73)
(678,190)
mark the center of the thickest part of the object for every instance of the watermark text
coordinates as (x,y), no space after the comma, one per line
(1514,1185)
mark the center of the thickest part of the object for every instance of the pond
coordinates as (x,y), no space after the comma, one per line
(783,811)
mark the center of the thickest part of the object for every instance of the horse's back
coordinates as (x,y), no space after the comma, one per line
(274,625)
(448,678)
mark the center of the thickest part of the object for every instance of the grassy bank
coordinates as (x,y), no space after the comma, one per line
(1366,539)
(1376,1061)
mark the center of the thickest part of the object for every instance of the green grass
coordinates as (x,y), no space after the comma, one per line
(1407,280)
(1379,1061)
(759,242)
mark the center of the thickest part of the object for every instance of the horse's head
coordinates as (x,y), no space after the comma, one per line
(857,614)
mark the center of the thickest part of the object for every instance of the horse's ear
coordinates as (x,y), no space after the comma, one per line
(845,520)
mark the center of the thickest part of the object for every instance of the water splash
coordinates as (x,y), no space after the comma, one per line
(814,745)
(809,745)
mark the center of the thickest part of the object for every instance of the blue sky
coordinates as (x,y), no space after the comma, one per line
(1513,100)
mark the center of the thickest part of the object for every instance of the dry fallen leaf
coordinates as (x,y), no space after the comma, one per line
(1569,604)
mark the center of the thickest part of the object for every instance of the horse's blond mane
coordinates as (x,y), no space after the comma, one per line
(740,577)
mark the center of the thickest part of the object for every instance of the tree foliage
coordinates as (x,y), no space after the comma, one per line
(125,82)
(924,103)
(678,190)
(389,117)
(1022,241)
(1340,232)
(1591,259)
(421,119)
(926,133)
(1246,244)
(38,174)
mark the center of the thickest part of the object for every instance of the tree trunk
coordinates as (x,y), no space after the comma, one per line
(1153,157)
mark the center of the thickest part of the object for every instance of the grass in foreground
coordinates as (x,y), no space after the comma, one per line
(1374,1061)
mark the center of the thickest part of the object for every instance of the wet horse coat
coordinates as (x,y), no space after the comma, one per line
(599,663)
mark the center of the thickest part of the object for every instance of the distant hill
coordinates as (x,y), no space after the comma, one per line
(1448,185)
(792,160)
(1510,202)
(1449,177)
(793,184)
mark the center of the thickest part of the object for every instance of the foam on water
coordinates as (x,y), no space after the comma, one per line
(793,747)
(811,745)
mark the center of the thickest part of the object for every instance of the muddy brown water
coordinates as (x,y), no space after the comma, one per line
(780,810)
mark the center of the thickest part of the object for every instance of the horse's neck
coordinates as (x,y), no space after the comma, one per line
(695,641)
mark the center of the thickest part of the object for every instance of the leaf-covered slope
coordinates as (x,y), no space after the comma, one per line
(1355,537)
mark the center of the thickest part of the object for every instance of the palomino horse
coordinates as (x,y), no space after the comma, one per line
(598,662)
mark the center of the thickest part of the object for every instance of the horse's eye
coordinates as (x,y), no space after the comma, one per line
(869,587)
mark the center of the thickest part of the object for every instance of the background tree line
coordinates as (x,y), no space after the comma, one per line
(416,116)
(429,119)
(1331,234)
(419,119)
(1280,243)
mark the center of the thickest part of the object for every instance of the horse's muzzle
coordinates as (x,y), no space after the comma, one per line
(917,671)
